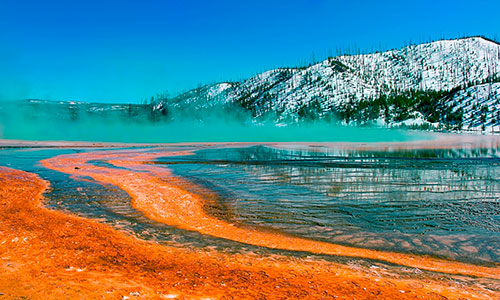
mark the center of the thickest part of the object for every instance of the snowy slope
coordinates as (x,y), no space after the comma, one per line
(336,81)
(480,105)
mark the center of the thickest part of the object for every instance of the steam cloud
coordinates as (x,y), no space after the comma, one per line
(43,120)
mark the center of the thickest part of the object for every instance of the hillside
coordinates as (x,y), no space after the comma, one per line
(444,84)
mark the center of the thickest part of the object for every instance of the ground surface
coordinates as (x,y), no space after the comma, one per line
(46,254)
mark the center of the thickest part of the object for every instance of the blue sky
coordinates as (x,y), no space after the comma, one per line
(125,51)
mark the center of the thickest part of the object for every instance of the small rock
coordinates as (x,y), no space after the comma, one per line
(135,294)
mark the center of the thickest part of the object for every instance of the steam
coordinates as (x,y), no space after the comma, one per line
(136,124)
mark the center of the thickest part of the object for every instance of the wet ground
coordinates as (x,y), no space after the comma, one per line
(439,202)
(443,203)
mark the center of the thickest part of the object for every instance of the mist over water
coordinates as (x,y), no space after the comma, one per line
(68,121)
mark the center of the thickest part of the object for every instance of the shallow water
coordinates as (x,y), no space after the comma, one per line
(439,202)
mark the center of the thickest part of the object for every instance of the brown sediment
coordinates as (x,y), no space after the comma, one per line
(50,255)
(162,197)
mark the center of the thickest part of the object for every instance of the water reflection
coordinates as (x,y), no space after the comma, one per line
(439,202)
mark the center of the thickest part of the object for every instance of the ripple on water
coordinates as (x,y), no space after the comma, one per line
(438,202)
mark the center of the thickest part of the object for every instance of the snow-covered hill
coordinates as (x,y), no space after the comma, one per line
(458,66)
(480,105)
